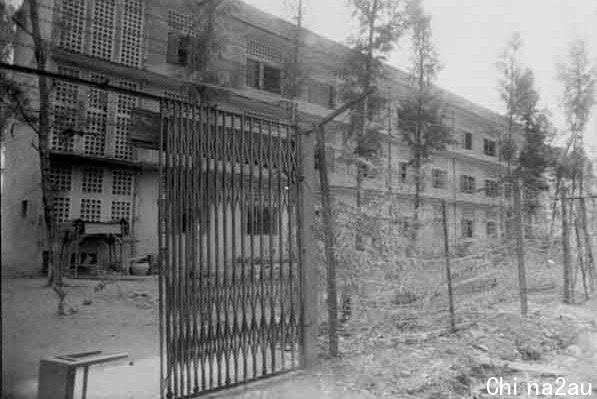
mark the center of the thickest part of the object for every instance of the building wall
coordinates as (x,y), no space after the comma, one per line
(127,43)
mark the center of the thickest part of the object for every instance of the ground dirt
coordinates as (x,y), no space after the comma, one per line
(556,340)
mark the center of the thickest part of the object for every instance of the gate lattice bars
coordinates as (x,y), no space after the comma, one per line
(230,260)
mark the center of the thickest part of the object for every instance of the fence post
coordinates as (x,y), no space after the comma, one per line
(522,278)
(448,271)
(309,273)
(565,248)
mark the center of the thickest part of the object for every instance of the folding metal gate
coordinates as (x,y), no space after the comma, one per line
(230,286)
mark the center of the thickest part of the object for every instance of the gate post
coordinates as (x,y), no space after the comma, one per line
(310,276)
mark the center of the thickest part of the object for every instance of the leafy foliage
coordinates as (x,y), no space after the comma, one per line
(204,46)
(579,79)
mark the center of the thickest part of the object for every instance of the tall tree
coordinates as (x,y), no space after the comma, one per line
(421,121)
(579,77)
(14,104)
(517,91)
(201,47)
(381,24)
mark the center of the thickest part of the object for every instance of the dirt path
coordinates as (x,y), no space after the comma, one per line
(122,317)
(571,373)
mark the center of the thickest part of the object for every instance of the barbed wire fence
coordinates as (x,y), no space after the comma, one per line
(390,286)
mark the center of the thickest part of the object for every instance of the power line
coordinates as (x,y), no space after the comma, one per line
(130,92)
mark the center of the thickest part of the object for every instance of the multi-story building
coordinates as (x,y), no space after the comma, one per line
(136,44)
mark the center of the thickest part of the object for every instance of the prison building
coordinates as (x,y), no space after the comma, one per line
(102,175)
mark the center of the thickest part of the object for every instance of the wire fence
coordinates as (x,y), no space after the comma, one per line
(389,283)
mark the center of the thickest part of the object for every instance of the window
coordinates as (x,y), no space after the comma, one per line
(467,228)
(440,178)
(91,210)
(122,182)
(489,148)
(491,229)
(24,208)
(261,221)
(491,188)
(132,33)
(73,19)
(467,141)
(368,172)
(103,29)
(121,210)
(321,94)
(508,190)
(264,76)
(61,208)
(467,184)
(180,33)
(61,177)
(93,179)
(403,172)
(272,78)
(177,52)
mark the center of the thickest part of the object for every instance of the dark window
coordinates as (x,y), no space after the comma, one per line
(178,46)
(489,148)
(264,77)
(508,190)
(440,178)
(403,172)
(467,228)
(321,94)
(467,184)
(253,74)
(491,230)
(261,221)
(467,142)
(272,79)
(332,97)
(24,208)
(368,172)
(491,188)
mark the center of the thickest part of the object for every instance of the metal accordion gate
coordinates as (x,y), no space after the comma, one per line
(230,249)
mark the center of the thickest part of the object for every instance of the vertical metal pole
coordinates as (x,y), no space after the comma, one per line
(280,215)
(245,293)
(262,321)
(309,276)
(170,347)
(252,205)
(271,227)
(194,205)
(177,266)
(225,291)
(186,153)
(160,259)
(234,286)
(203,137)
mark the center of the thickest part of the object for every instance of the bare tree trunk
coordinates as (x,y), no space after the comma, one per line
(565,248)
(330,255)
(588,247)
(55,269)
(448,271)
(581,262)
(522,279)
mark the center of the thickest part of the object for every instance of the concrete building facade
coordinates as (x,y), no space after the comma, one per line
(100,176)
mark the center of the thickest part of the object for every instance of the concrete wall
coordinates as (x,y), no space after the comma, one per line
(22,229)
